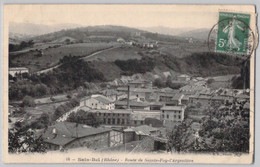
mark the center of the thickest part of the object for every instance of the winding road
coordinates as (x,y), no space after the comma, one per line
(84,57)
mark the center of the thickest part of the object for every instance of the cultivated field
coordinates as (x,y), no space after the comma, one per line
(50,56)
(120,53)
(182,49)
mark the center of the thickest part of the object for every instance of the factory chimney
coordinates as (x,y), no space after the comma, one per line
(128,97)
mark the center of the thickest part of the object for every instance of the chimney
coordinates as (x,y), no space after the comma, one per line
(128,97)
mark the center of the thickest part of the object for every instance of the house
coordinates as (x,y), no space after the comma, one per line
(227,93)
(156,105)
(18,70)
(191,89)
(120,40)
(243,97)
(218,99)
(183,77)
(140,84)
(167,74)
(67,135)
(139,133)
(141,94)
(172,114)
(113,94)
(138,117)
(200,100)
(176,99)
(97,102)
(153,97)
(132,104)
(166,97)
(221,99)
(185,100)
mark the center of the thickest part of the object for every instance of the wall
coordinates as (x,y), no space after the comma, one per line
(116,138)
(174,116)
(128,137)
(124,118)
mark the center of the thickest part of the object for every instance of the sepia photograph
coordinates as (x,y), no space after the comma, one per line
(129,83)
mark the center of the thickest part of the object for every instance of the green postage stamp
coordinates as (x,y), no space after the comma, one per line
(233,33)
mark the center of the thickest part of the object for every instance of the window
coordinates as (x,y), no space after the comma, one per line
(92,104)
(123,121)
(135,122)
(108,121)
(114,114)
(118,121)
(179,112)
(142,122)
(174,116)
(104,114)
(113,121)
(104,120)
(162,116)
(108,114)
(179,117)
(167,116)
(123,114)
(174,112)
(162,111)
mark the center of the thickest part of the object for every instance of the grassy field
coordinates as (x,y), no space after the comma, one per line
(48,99)
(51,56)
(120,53)
(182,49)
(33,113)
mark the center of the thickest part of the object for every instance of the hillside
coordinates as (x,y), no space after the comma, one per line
(99,45)
(201,34)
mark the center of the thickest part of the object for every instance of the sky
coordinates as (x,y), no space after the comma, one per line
(171,16)
(132,16)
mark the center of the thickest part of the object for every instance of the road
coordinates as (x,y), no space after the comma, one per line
(84,58)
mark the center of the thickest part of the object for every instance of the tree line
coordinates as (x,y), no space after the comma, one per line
(72,74)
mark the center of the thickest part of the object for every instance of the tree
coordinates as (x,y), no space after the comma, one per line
(169,81)
(83,117)
(28,101)
(159,83)
(42,122)
(21,141)
(180,138)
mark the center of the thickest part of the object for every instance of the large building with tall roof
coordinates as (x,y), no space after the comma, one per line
(66,135)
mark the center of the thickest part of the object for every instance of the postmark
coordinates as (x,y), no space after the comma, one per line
(232,34)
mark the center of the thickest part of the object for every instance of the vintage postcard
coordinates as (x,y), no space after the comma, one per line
(129,83)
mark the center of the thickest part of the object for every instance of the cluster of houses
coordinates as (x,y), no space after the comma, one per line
(147,45)
(136,113)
